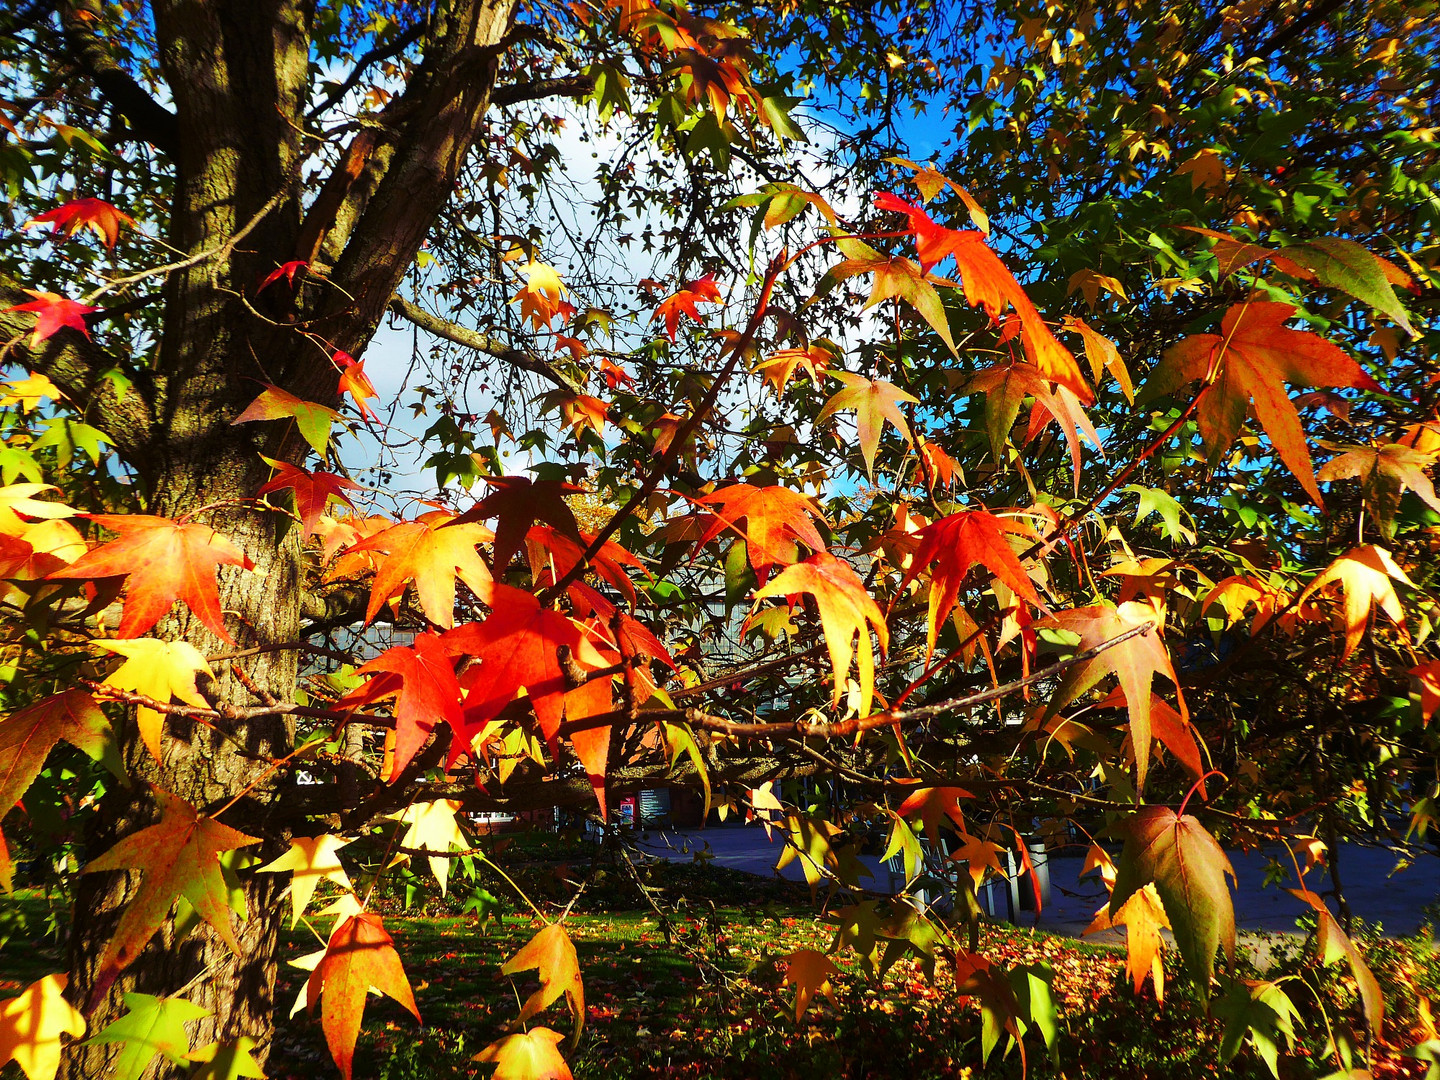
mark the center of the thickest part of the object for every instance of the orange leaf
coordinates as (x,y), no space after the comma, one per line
(549,549)
(165,561)
(980,856)
(775,518)
(845,609)
(531,1055)
(1173,731)
(180,856)
(552,954)
(28,736)
(1134,661)
(1102,354)
(541,298)
(1143,917)
(432,551)
(684,301)
(1251,359)
(1427,677)
(809,972)
(778,367)
(359,955)
(356,383)
(940,469)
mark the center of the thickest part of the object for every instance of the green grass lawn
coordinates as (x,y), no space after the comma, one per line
(695,991)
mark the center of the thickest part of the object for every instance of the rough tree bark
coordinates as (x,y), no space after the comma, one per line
(239,76)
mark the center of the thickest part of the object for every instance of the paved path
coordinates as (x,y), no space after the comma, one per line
(1395,900)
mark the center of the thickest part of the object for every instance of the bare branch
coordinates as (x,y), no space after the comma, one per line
(480,342)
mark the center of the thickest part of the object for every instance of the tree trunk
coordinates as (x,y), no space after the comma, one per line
(206,766)
(239,74)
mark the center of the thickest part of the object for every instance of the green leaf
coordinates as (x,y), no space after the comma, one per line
(68,436)
(1345,265)
(1157,501)
(680,740)
(1188,868)
(485,904)
(153,1026)
(905,843)
(1263,1013)
(1035,1004)
(15,463)
(227,1061)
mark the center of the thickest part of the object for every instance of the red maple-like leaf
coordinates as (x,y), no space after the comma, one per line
(54,313)
(684,301)
(313,491)
(165,561)
(284,270)
(950,546)
(421,676)
(553,555)
(991,287)
(518,647)
(96,215)
(517,502)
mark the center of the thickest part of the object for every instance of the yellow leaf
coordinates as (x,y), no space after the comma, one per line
(528,1056)
(432,827)
(161,670)
(845,609)
(31,1025)
(1364,574)
(312,859)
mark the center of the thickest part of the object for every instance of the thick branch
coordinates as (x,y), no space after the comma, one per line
(76,365)
(565,86)
(443,109)
(480,342)
(147,117)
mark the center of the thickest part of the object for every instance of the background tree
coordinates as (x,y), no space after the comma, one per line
(1203,210)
